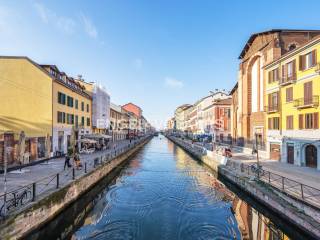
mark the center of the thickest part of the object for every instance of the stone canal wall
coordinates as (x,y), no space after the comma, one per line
(305,217)
(41,212)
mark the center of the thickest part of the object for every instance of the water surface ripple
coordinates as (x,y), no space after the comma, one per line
(165,194)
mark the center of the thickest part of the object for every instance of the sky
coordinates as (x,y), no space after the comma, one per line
(156,54)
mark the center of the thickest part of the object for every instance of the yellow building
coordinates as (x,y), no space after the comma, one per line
(26,105)
(292,98)
(71,106)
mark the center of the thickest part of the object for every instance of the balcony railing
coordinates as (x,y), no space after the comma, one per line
(272,108)
(307,102)
(286,80)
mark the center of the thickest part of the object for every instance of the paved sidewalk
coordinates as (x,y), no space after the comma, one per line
(28,175)
(305,175)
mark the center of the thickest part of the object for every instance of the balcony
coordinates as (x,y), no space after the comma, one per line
(307,102)
(286,80)
(272,108)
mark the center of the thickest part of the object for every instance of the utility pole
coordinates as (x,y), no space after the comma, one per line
(258,163)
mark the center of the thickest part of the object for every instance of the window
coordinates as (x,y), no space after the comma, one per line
(88,121)
(273,102)
(307,93)
(273,75)
(60,117)
(289,122)
(309,121)
(82,106)
(61,98)
(69,101)
(291,69)
(308,60)
(70,118)
(292,46)
(76,103)
(82,121)
(289,94)
(87,107)
(273,123)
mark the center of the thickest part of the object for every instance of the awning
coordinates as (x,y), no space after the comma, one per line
(96,136)
(86,140)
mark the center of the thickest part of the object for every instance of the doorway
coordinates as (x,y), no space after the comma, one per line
(311,156)
(290,154)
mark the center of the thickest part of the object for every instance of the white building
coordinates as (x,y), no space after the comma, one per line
(100,109)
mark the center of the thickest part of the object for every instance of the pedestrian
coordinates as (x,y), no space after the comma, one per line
(67,162)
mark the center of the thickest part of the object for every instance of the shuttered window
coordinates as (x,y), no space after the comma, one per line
(308,60)
(273,123)
(307,93)
(300,121)
(289,94)
(289,122)
(309,121)
(269,123)
(316,120)
(273,75)
(291,70)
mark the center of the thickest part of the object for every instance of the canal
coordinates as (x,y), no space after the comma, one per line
(163,193)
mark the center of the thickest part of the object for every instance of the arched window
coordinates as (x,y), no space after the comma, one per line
(292,46)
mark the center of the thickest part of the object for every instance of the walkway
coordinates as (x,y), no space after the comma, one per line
(46,175)
(304,175)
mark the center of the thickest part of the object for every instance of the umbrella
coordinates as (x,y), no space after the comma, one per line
(21,147)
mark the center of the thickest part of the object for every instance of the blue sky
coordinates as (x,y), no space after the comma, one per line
(157,54)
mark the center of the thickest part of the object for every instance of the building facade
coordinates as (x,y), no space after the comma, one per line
(234,114)
(71,109)
(100,106)
(26,93)
(117,131)
(261,49)
(293,90)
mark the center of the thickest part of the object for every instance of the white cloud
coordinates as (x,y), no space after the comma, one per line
(138,63)
(64,24)
(89,27)
(43,12)
(173,83)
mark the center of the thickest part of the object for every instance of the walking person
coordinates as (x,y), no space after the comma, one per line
(67,162)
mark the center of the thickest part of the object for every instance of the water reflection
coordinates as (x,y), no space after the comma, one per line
(164,194)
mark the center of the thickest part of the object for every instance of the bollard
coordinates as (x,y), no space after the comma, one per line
(73,174)
(85,167)
(302,191)
(34,189)
(101,160)
(57,180)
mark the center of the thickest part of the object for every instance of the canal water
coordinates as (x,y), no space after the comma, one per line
(163,193)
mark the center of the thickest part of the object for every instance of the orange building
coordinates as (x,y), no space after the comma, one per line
(130,107)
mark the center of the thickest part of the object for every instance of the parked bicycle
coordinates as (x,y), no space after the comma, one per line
(18,198)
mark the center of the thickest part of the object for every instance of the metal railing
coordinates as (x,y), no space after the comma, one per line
(285,80)
(286,185)
(16,199)
(306,102)
(272,108)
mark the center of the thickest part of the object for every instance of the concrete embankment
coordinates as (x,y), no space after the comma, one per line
(37,214)
(304,217)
